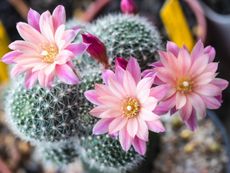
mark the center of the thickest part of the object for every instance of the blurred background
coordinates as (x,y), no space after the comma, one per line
(208,20)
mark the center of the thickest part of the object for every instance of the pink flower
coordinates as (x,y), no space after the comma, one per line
(128,6)
(124,106)
(187,83)
(46,50)
(96,48)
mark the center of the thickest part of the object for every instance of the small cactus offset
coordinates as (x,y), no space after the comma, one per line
(105,154)
(51,115)
(60,154)
(128,36)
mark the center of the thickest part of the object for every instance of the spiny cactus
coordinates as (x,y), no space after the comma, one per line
(59,154)
(106,155)
(52,115)
(128,35)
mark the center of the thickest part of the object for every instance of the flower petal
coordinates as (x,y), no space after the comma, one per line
(125,139)
(186,111)
(33,19)
(147,115)
(16,70)
(180,100)
(24,47)
(129,84)
(184,61)
(211,52)
(211,102)
(69,36)
(78,49)
(165,106)
(30,34)
(117,124)
(101,127)
(106,75)
(30,79)
(139,146)
(97,111)
(142,132)
(199,65)
(173,48)
(159,92)
(132,127)
(9,57)
(198,104)
(134,69)
(156,126)
(116,88)
(208,90)
(192,121)
(66,74)
(46,26)
(91,95)
(59,16)
(197,50)
(221,83)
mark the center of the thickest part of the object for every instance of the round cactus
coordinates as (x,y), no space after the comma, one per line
(60,154)
(106,155)
(128,35)
(52,115)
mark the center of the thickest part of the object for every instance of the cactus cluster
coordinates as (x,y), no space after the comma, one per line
(128,35)
(61,115)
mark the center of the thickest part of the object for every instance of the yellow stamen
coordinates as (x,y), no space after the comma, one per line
(49,53)
(131,107)
(184,86)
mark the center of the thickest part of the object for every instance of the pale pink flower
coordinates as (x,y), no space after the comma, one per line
(46,50)
(128,6)
(124,106)
(187,82)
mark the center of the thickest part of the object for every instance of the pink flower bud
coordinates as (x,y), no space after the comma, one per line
(121,62)
(96,48)
(128,7)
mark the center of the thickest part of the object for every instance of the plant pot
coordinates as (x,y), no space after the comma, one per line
(216,121)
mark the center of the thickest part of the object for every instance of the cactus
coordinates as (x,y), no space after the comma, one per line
(105,154)
(60,154)
(51,115)
(128,35)
(102,154)
(60,115)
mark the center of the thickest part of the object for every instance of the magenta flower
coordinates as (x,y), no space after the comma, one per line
(187,83)
(96,48)
(46,50)
(124,106)
(128,7)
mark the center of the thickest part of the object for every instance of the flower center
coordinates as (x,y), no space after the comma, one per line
(131,107)
(49,53)
(184,86)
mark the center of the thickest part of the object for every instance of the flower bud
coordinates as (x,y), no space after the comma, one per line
(96,48)
(128,7)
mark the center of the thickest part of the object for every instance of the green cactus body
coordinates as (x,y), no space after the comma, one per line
(105,154)
(60,154)
(52,115)
(128,35)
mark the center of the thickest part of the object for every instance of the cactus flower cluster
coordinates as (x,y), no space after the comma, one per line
(75,101)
